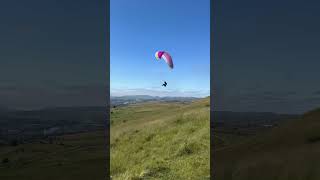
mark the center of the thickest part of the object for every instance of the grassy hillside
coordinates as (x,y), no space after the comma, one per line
(161,141)
(79,156)
(148,141)
(288,152)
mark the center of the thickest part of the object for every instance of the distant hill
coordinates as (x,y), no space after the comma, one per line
(125,100)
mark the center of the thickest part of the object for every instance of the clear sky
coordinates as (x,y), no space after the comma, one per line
(139,28)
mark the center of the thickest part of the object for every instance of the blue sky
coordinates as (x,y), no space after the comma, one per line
(140,28)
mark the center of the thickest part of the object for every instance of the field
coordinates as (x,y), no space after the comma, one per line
(161,141)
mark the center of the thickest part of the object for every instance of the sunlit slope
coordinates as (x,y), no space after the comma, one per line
(291,151)
(161,141)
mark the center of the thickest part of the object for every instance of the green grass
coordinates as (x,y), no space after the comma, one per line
(161,141)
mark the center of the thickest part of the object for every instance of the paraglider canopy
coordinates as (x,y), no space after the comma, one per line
(166,57)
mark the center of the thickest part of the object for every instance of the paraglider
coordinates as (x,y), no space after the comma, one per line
(164,84)
(167,58)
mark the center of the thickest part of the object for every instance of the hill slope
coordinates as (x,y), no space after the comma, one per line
(161,141)
(290,151)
